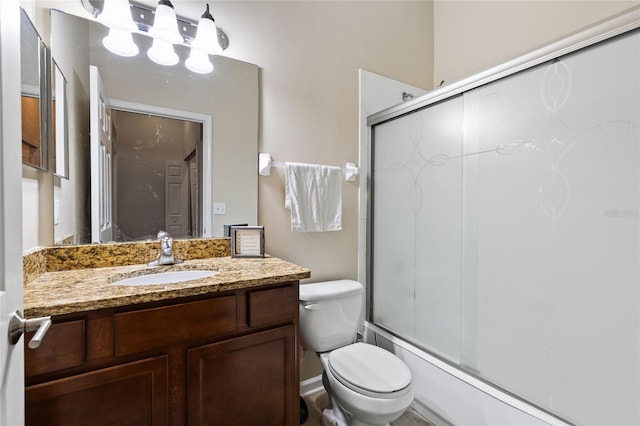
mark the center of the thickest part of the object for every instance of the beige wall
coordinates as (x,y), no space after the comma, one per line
(309,54)
(470,36)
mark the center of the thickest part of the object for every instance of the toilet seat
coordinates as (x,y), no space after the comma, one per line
(370,370)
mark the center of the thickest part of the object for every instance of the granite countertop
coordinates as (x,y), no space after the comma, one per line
(72,291)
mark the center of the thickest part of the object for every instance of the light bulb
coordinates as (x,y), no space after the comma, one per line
(206,34)
(117,14)
(165,24)
(120,42)
(198,62)
(162,53)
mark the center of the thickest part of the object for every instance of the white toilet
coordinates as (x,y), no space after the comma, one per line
(370,385)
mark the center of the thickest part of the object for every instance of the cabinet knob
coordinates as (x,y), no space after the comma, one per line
(18,325)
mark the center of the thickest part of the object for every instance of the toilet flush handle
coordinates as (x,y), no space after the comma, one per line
(310,306)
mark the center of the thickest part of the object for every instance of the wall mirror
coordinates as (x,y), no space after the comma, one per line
(32,58)
(59,120)
(225,101)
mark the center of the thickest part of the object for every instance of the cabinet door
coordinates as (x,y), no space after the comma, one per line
(129,394)
(249,380)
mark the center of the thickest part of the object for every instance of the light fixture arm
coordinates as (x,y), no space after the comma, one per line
(143,17)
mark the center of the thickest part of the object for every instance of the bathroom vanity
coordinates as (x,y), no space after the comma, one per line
(219,350)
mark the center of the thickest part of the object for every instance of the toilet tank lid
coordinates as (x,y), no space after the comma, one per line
(329,290)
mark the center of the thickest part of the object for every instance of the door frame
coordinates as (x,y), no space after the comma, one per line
(207,149)
(101,149)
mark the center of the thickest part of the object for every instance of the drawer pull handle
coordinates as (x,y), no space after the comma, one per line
(18,325)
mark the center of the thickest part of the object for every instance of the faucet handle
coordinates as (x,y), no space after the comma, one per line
(163,234)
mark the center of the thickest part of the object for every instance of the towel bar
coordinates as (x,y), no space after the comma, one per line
(265,163)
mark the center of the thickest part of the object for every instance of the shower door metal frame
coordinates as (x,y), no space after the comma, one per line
(619,24)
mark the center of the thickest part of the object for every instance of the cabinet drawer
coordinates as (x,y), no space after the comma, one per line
(272,306)
(148,329)
(62,347)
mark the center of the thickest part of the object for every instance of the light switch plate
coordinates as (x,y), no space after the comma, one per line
(219,208)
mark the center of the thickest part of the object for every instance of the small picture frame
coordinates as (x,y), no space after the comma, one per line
(247,241)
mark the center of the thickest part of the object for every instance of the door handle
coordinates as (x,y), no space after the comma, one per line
(18,325)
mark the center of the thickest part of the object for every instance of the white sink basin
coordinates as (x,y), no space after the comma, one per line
(167,277)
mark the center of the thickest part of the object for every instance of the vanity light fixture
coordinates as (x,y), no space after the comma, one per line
(116,15)
(203,45)
(124,17)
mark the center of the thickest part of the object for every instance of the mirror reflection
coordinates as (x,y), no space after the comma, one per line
(31,57)
(59,139)
(218,159)
(156,169)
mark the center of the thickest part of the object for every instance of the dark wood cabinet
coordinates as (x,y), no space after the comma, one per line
(130,394)
(227,359)
(255,367)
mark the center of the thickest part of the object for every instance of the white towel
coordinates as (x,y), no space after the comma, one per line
(313,193)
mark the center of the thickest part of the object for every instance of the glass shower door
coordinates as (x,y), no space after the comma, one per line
(505,231)
(417,226)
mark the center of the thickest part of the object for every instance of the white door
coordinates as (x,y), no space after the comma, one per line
(11,356)
(176,194)
(101,160)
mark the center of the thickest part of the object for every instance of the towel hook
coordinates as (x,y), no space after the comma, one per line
(264,164)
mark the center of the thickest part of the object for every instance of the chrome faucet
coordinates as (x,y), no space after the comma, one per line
(165,257)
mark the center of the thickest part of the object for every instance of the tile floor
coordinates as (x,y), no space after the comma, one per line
(318,401)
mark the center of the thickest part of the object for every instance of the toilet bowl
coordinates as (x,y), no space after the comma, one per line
(367,384)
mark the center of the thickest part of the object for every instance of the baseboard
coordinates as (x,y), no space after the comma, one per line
(311,385)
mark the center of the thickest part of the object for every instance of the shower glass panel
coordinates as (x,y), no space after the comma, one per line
(505,232)
(417,223)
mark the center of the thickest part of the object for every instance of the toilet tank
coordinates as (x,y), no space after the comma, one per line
(329,314)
